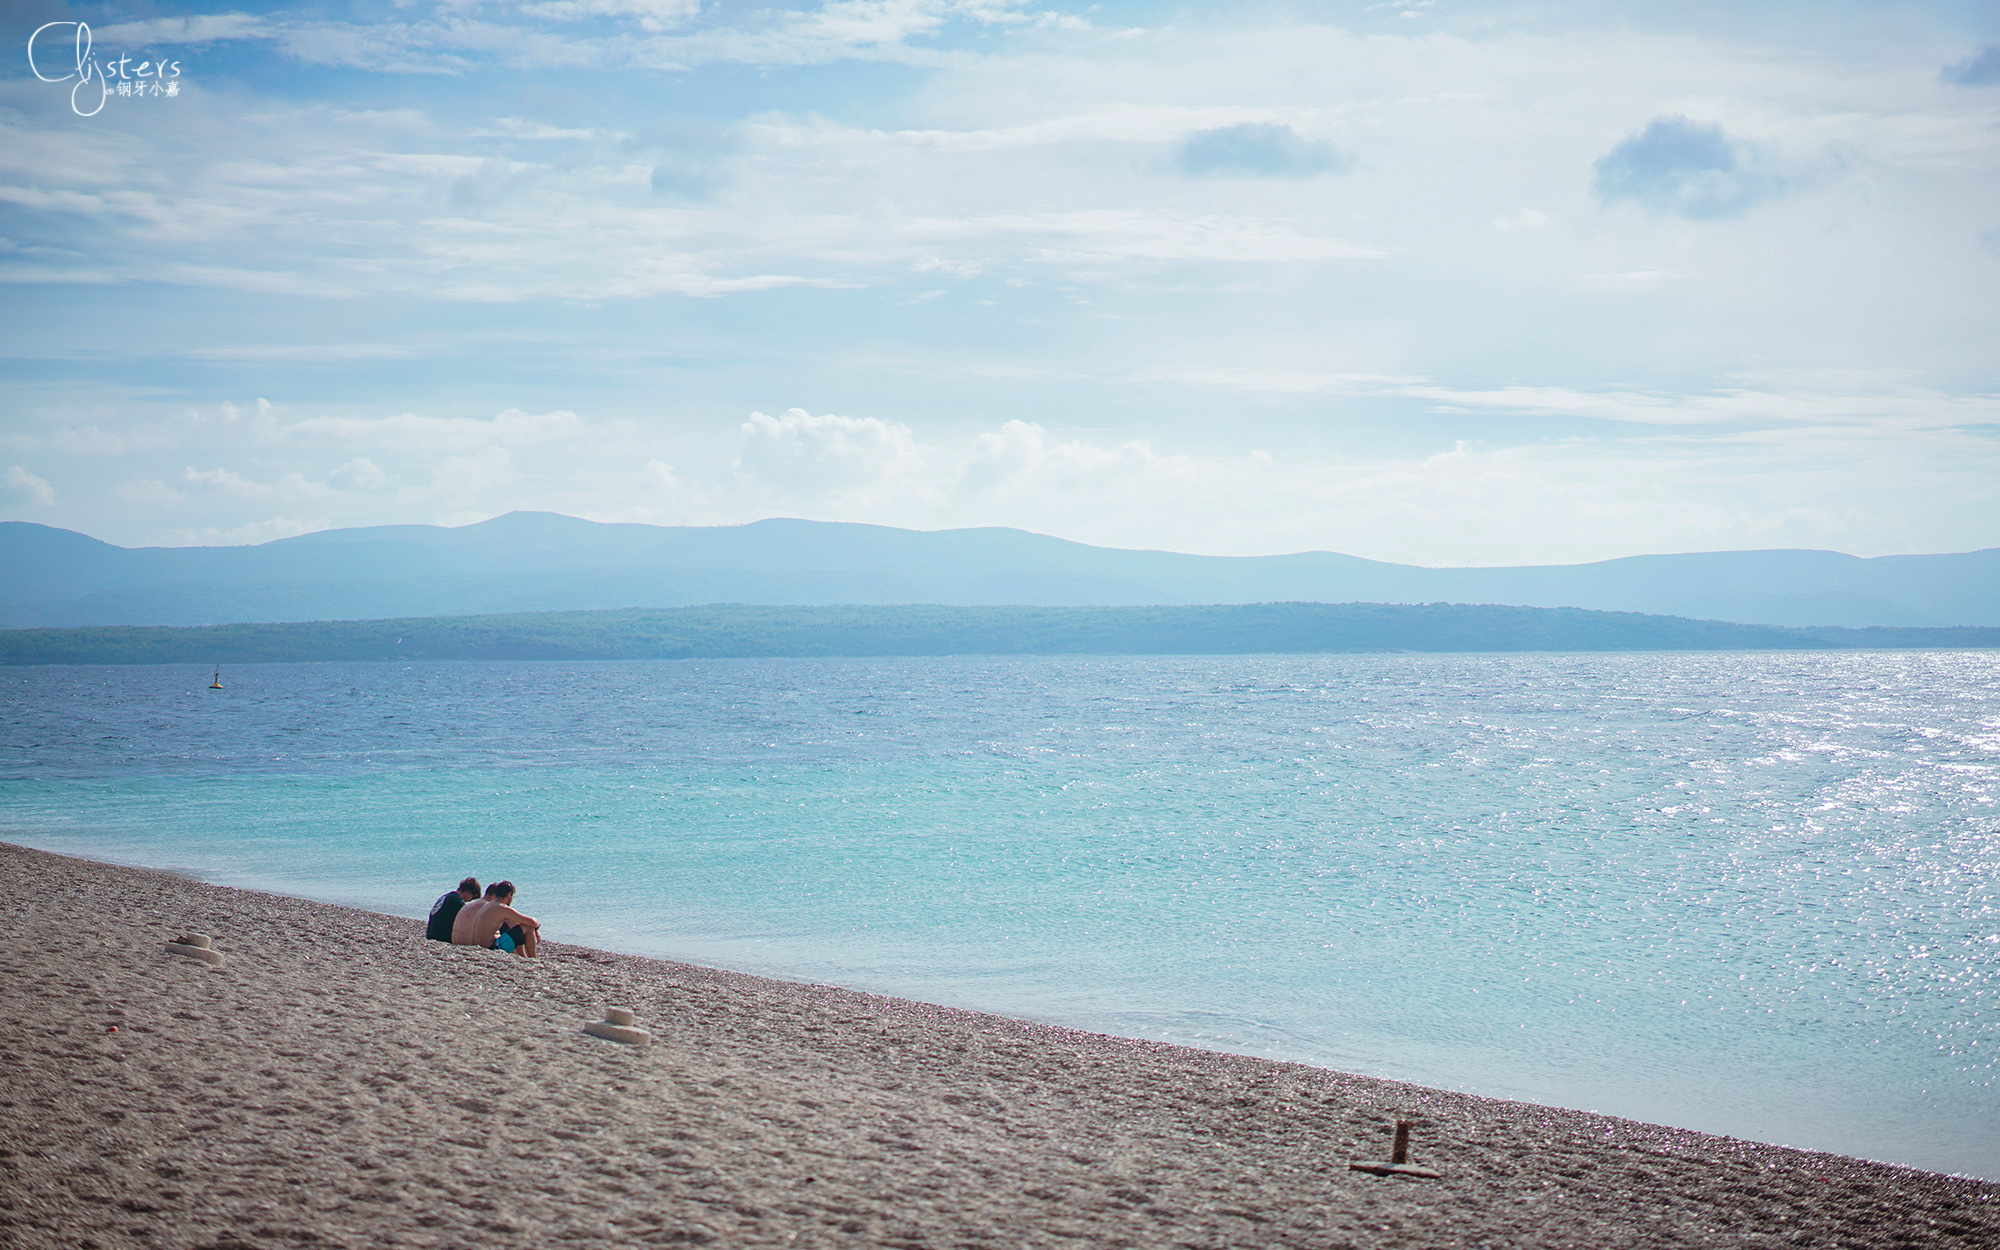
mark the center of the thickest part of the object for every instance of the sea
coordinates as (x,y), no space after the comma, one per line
(1747,893)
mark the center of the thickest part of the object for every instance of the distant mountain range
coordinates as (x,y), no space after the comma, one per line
(541,562)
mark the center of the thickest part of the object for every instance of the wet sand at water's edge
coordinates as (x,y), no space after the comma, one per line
(341,1081)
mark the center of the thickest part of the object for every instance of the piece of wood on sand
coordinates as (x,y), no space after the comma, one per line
(1399,1159)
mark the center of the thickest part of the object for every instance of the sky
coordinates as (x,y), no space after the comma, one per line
(1445,282)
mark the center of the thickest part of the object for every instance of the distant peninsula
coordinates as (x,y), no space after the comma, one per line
(735,630)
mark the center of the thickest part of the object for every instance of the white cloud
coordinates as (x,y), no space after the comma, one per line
(1116,334)
(452,40)
(1852,398)
(148,492)
(229,484)
(466,479)
(1099,235)
(658,475)
(225,481)
(21,486)
(202,28)
(264,531)
(358,474)
(953,268)
(345,203)
(400,48)
(652,15)
(803,456)
(1021,457)
(259,412)
(1633,281)
(88,440)
(1563,501)
(315,352)
(425,469)
(836,30)
(1781,466)
(1287,381)
(410,433)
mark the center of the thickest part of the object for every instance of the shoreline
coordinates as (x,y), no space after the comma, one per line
(342,1081)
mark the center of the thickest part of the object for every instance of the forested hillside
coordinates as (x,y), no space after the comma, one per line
(735,630)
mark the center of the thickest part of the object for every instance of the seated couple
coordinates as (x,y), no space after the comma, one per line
(463,918)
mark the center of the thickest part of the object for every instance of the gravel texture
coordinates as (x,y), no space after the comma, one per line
(338,1080)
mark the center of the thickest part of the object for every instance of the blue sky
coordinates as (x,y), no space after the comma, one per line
(1444,282)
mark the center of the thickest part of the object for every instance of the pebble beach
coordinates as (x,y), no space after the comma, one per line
(336,1080)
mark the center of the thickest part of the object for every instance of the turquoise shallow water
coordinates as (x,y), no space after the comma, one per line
(1752,894)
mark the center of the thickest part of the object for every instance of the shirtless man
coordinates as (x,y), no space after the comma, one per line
(492,923)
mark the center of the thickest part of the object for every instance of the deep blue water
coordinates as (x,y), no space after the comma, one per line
(1752,894)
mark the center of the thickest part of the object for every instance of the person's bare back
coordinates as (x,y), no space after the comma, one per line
(492,923)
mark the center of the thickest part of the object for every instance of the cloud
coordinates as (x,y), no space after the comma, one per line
(21,486)
(1627,281)
(409,433)
(389,48)
(226,481)
(1286,381)
(203,28)
(149,492)
(74,440)
(1686,168)
(658,475)
(1259,150)
(862,29)
(688,176)
(314,352)
(1095,236)
(269,530)
(465,478)
(227,484)
(458,42)
(1044,171)
(358,474)
(961,269)
(800,454)
(653,15)
(1020,456)
(1981,69)
(1529,218)
(1816,402)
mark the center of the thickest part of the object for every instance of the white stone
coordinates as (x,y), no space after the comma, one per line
(203,953)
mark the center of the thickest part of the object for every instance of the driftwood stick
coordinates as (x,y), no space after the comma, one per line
(1399,1158)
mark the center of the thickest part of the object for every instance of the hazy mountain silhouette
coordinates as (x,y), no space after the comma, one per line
(540,562)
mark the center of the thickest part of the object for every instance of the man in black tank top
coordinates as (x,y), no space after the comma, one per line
(445,910)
